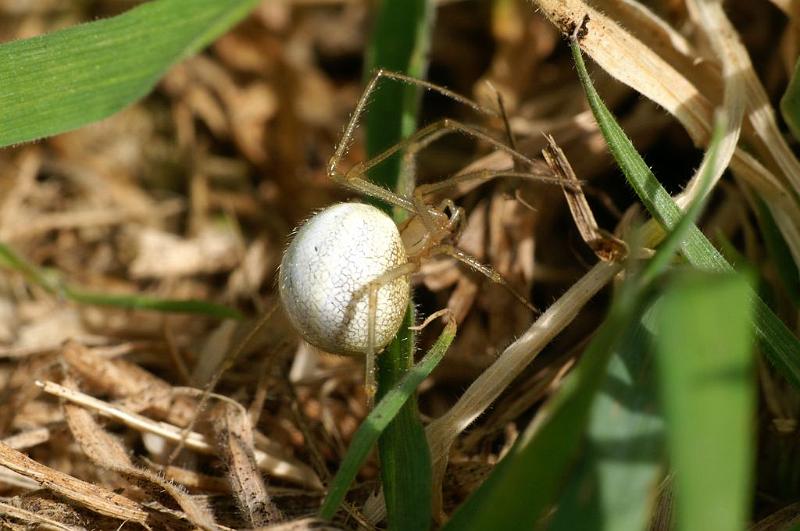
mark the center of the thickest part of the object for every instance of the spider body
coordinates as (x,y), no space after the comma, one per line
(325,275)
(339,253)
(423,232)
(344,279)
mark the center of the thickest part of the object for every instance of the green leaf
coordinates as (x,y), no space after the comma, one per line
(143,302)
(131,301)
(707,383)
(400,42)
(779,252)
(615,480)
(523,485)
(405,457)
(63,80)
(616,477)
(378,420)
(790,103)
(781,345)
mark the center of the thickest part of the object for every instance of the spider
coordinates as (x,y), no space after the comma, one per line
(344,279)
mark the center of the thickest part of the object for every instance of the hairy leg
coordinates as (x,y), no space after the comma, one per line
(347,136)
(354,177)
(487,271)
(431,132)
(541,174)
(372,293)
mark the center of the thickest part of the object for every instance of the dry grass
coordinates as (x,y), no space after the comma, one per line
(193,192)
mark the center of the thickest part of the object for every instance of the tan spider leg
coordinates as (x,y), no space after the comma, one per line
(362,185)
(431,132)
(423,210)
(425,142)
(484,269)
(353,178)
(363,101)
(370,189)
(540,172)
(372,289)
(456,218)
(546,176)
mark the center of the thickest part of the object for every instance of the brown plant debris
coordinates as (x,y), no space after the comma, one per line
(194,191)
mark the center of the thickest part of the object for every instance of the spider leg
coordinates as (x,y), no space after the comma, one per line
(436,231)
(483,269)
(542,174)
(352,124)
(431,132)
(347,136)
(354,177)
(456,221)
(372,292)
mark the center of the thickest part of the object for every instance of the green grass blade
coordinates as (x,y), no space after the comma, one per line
(686,221)
(51,284)
(778,251)
(622,463)
(143,302)
(616,477)
(656,199)
(63,80)
(614,483)
(378,420)
(790,103)
(405,459)
(707,381)
(10,260)
(524,484)
(781,346)
(400,42)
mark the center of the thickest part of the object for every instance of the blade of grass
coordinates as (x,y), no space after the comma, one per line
(405,459)
(381,417)
(615,480)
(11,260)
(142,302)
(53,285)
(623,462)
(63,80)
(778,251)
(686,221)
(707,383)
(790,103)
(781,346)
(524,484)
(655,62)
(400,42)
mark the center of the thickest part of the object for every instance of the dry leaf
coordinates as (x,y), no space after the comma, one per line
(235,443)
(91,496)
(107,453)
(164,255)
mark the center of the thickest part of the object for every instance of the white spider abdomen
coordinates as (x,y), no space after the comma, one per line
(324,275)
